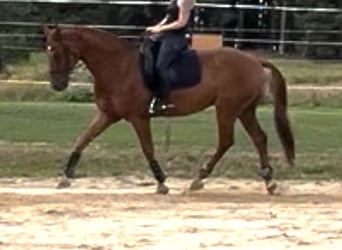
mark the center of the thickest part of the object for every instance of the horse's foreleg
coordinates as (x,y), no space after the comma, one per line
(259,138)
(99,123)
(143,131)
(225,141)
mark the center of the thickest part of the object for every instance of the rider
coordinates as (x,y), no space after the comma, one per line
(171,34)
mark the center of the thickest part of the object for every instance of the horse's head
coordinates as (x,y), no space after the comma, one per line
(62,55)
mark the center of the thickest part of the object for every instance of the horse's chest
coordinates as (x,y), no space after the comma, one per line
(107,104)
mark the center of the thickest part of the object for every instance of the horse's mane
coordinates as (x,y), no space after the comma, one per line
(105,38)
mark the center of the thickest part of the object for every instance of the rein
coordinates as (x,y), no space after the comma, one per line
(66,70)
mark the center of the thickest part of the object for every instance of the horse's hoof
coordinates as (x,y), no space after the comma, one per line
(196,185)
(162,189)
(64,183)
(271,187)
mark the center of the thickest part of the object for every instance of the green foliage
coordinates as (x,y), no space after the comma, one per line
(33,67)
(14,12)
(310,72)
(25,92)
(40,93)
(36,69)
(109,14)
(317,21)
(78,94)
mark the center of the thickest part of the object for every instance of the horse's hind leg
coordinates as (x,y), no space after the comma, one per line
(249,121)
(99,123)
(225,123)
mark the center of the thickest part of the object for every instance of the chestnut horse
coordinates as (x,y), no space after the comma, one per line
(231,80)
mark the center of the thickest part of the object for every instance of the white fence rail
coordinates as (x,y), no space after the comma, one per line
(205,5)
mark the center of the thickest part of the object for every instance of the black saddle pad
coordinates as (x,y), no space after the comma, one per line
(186,68)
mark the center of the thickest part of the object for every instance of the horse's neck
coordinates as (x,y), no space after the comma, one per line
(106,58)
(99,60)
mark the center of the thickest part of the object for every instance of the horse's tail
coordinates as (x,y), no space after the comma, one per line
(279,91)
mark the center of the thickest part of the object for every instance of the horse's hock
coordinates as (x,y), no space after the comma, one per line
(206,41)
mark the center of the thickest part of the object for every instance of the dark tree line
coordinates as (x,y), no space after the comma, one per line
(258,23)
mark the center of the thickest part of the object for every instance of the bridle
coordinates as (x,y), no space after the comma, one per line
(69,68)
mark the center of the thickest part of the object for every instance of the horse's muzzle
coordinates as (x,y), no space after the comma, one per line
(59,81)
(59,86)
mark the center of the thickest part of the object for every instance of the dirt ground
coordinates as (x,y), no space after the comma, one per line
(125,213)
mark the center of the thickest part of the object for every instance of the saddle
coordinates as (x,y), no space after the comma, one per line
(186,66)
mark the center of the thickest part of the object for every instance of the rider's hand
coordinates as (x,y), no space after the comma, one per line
(153,29)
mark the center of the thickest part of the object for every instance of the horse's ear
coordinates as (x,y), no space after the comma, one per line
(46,30)
(57,35)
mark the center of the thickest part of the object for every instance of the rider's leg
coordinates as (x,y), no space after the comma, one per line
(170,46)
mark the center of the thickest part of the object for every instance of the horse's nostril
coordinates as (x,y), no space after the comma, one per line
(59,86)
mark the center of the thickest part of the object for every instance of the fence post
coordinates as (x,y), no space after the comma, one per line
(282,31)
(241,26)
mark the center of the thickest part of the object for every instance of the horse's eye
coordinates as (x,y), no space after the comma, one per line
(49,48)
